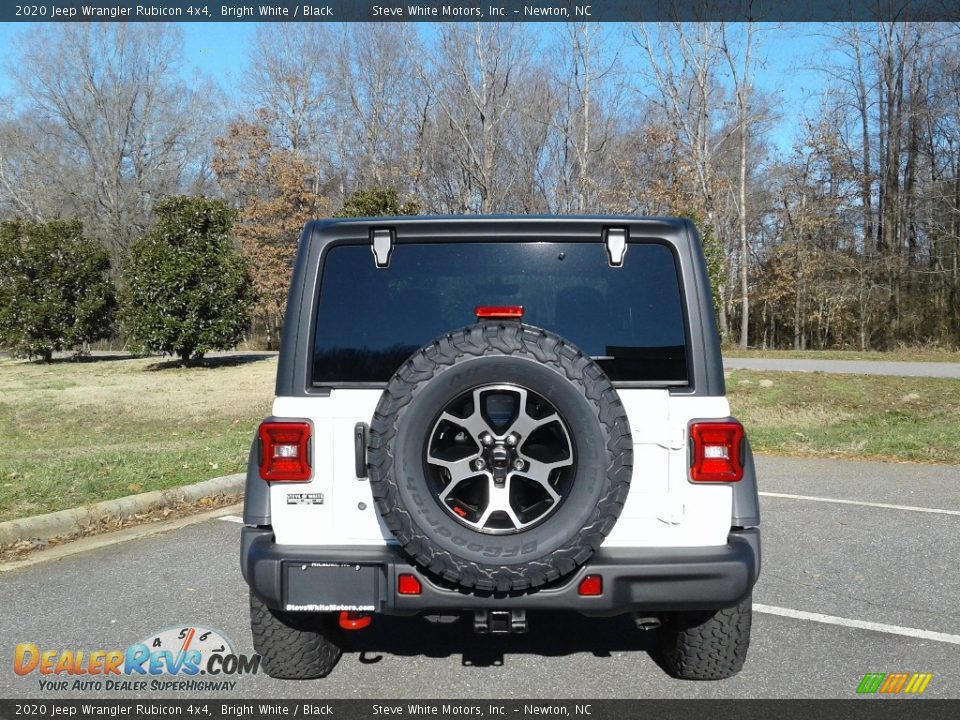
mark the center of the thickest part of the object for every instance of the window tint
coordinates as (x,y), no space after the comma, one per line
(369,321)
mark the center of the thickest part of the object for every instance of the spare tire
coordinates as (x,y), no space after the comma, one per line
(500,457)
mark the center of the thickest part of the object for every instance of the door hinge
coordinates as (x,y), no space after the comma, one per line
(616,242)
(381,244)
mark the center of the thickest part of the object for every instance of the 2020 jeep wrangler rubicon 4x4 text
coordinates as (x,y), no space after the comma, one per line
(491,416)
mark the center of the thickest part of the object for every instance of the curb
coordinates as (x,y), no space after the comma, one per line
(68,522)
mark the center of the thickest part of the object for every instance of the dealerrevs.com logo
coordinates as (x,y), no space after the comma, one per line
(173,660)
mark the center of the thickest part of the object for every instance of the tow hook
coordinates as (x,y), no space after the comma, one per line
(499,622)
(350,620)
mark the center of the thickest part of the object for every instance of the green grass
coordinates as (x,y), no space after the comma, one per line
(901,355)
(77,433)
(849,416)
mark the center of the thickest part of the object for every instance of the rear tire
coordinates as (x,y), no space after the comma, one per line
(706,645)
(293,646)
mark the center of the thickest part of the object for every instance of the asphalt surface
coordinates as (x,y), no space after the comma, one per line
(853,367)
(897,567)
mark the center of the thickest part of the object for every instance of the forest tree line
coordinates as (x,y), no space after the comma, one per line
(849,239)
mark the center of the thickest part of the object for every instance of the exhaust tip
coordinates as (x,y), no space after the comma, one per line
(647,623)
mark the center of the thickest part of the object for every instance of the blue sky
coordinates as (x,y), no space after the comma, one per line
(788,53)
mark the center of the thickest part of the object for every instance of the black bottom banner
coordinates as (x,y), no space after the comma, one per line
(875,709)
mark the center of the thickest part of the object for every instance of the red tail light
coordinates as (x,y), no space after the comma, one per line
(499,312)
(408,584)
(591,585)
(716,451)
(284,451)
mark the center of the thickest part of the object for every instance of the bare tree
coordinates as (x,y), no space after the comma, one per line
(530,144)
(376,79)
(286,83)
(682,64)
(473,77)
(741,73)
(129,125)
(21,180)
(587,80)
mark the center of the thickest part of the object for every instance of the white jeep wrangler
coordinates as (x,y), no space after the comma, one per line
(491,416)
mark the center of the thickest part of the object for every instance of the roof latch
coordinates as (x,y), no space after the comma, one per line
(381,243)
(616,241)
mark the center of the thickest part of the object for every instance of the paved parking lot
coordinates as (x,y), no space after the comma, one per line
(868,585)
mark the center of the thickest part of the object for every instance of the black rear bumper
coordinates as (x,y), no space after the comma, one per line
(309,578)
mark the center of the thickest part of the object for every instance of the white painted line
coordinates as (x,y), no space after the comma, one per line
(911,508)
(233,519)
(862,624)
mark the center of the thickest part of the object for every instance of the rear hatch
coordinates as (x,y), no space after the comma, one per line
(632,319)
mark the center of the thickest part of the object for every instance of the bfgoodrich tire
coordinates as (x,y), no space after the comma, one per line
(707,645)
(293,646)
(500,457)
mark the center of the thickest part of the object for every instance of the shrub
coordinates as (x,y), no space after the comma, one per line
(186,289)
(55,289)
(375,202)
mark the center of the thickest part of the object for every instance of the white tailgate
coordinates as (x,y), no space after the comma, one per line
(663,508)
(340,519)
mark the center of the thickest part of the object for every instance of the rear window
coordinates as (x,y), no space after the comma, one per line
(369,320)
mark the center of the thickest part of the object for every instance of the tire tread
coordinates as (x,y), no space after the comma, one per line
(292,646)
(707,646)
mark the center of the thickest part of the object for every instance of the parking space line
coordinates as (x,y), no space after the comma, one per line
(861,624)
(888,506)
(232,518)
